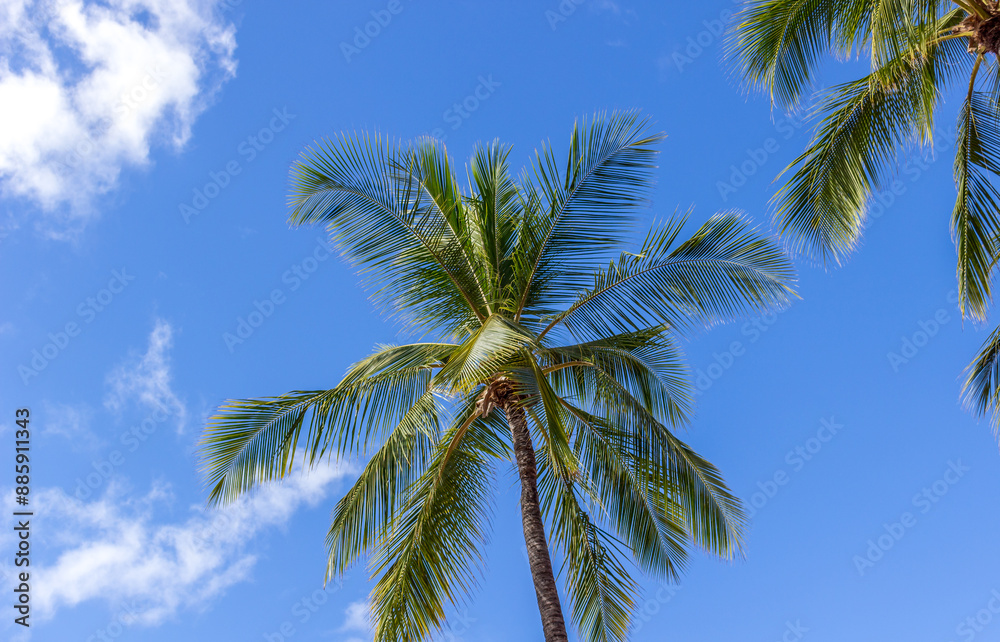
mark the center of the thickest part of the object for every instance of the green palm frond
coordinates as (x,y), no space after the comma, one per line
(494,226)
(975,221)
(430,558)
(253,441)
(602,592)
(649,363)
(724,270)
(778,44)
(631,495)
(553,425)
(368,193)
(982,382)
(484,353)
(822,208)
(588,206)
(714,516)
(367,511)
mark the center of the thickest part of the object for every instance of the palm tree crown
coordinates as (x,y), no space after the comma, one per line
(918,50)
(553,349)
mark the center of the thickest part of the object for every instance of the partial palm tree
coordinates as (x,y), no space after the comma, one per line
(919,51)
(547,348)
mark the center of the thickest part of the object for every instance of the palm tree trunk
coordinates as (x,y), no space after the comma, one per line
(553,624)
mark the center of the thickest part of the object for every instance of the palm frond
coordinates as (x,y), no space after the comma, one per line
(982,382)
(390,210)
(431,557)
(367,511)
(823,207)
(496,207)
(253,441)
(631,495)
(602,593)
(587,208)
(723,271)
(778,44)
(649,363)
(713,516)
(975,222)
(488,350)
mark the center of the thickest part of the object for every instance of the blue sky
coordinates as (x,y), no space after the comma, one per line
(144,149)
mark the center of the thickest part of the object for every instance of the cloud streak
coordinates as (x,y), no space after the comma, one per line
(146,380)
(111,549)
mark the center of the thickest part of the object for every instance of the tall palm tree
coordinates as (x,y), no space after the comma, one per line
(552,349)
(918,50)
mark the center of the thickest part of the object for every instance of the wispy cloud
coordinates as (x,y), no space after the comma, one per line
(71,422)
(146,380)
(89,87)
(113,550)
(358,619)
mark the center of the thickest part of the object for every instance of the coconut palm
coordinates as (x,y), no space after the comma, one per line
(918,51)
(551,349)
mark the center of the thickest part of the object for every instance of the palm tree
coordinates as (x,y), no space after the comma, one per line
(540,356)
(917,51)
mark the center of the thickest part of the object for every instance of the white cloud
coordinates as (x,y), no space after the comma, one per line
(146,379)
(112,550)
(69,421)
(358,617)
(88,87)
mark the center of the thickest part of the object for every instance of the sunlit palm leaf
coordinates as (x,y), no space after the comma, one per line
(588,203)
(649,363)
(368,509)
(430,559)
(365,191)
(253,441)
(724,270)
(976,218)
(822,208)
